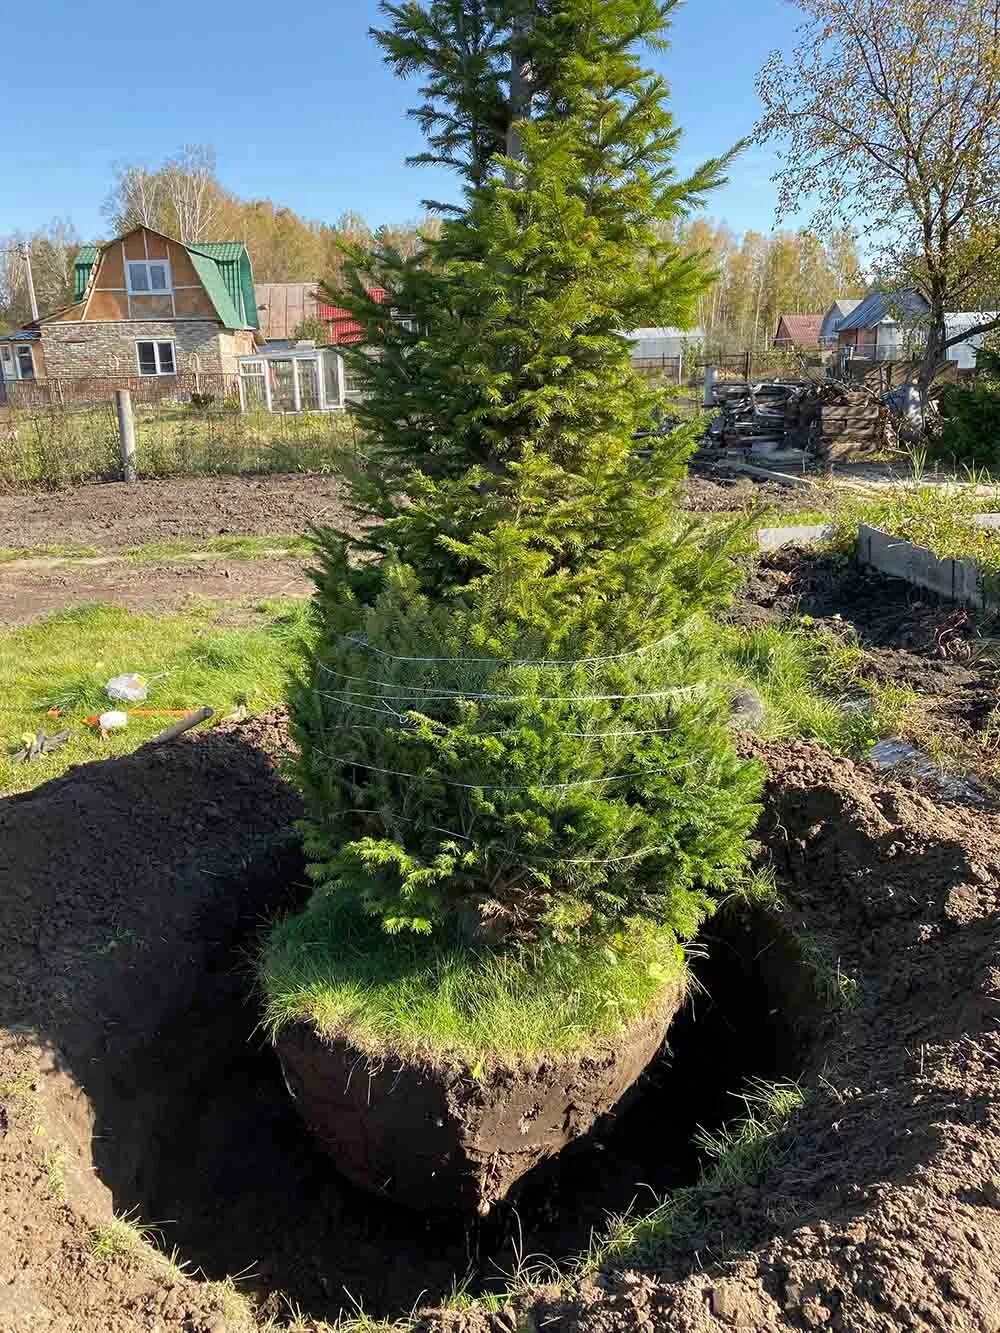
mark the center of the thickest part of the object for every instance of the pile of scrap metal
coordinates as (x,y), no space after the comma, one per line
(820,418)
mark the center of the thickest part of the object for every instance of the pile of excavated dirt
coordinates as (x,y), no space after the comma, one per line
(119,880)
(125,1081)
(881,1211)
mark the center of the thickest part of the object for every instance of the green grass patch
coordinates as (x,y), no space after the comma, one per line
(736,1155)
(65,660)
(51,550)
(338,970)
(812,684)
(235,547)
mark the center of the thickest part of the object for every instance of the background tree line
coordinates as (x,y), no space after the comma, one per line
(183,197)
(760,276)
(764,276)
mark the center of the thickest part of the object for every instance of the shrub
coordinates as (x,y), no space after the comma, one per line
(970,425)
(500,726)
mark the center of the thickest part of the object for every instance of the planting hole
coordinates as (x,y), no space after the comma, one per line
(200,1137)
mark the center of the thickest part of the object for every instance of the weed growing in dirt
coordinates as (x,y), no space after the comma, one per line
(738,1155)
(64,661)
(338,970)
(122,1238)
(55,1174)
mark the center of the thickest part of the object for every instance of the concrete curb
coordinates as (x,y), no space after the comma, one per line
(959,580)
(797,534)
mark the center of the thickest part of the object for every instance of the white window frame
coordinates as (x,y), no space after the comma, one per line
(150,290)
(144,374)
(18,350)
(315,355)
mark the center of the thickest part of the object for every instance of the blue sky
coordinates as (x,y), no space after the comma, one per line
(298,104)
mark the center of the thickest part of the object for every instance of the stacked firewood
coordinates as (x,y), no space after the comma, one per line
(822,417)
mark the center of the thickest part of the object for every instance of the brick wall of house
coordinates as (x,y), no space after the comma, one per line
(73,350)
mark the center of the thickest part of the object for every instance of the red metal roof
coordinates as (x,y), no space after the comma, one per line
(344,328)
(800,330)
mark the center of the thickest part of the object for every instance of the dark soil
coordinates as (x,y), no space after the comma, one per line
(439,1137)
(112,515)
(132,890)
(881,1211)
(715,488)
(944,652)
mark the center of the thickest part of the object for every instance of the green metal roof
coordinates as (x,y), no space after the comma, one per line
(223,267)
(86,258)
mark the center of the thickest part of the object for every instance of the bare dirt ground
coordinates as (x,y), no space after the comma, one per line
(113,515)
(715,488)
(27,593)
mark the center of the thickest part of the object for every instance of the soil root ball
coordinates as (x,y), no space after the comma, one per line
(435,1137)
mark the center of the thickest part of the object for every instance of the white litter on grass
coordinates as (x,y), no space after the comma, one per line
(897,753)
(132,689)
(113,721)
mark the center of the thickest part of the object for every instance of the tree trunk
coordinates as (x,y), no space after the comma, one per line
(520,86)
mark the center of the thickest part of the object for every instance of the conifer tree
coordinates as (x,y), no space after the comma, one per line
(502,722)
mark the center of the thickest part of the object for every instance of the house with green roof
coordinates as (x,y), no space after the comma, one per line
(147,305)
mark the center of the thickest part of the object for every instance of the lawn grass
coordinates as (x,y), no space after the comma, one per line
(64,661)
(437,996)
(812,684)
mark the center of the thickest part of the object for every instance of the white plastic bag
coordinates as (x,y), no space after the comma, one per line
(131,689)
(113,721)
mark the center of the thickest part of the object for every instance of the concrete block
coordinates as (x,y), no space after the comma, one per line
(797,534)
(959,580)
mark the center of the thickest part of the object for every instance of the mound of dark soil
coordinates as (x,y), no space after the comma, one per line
(882,1210)
(119,881)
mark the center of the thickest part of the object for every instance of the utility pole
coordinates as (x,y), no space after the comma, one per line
(26,253)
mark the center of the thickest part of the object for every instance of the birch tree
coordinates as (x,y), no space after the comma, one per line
(887,112)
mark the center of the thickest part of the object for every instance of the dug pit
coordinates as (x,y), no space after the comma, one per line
(203,1131)
(129,961)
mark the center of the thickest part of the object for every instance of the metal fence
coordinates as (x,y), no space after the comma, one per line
(95,390)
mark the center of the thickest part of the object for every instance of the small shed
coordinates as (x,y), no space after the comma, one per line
(662,344)
(293,377)
(964,353)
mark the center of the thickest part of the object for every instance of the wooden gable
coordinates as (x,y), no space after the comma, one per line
(108,296)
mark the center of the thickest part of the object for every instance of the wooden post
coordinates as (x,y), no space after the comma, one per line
(749,365)
(126,433)
(709,399)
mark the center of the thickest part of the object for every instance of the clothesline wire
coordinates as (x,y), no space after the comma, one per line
(537,860)
(516,661)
